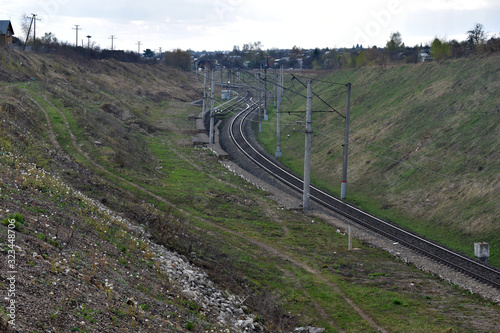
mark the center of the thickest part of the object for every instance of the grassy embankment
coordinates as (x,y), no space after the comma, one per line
(424,145)
(124,128)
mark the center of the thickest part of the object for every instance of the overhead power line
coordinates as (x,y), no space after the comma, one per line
(317,96)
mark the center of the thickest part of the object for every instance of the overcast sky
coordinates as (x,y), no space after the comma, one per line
(221,24)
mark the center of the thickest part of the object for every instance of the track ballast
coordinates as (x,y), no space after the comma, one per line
(238,131)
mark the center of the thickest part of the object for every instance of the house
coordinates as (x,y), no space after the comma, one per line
(425,57)
(6,33)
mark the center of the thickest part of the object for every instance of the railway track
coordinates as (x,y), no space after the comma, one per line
(239,128)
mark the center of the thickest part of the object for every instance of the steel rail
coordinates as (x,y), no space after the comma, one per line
(433,250)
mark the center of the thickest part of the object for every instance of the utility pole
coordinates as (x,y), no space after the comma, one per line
(212,109)
(307,155)
(88,46)
(346,144)
(278,115)
(76,28)
(112,37)
(34,30)
(33,21)
(139,47)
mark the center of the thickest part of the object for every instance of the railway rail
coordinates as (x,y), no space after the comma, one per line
(239,128)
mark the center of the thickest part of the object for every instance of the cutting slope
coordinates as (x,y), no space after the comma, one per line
(424,144)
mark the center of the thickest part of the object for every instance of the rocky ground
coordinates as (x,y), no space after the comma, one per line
(99,272)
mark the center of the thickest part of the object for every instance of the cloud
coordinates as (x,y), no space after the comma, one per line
(221,24)
(457,5)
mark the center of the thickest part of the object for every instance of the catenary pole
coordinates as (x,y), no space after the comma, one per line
(265,95)
(257,79)
(275,88)
(278,116)
(343,187)
(212,109)
(307,154)
(204,93)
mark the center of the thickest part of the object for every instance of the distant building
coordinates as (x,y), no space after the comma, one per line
(424,57)
(6,33)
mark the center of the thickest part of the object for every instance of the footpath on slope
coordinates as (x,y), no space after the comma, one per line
(227,314)
(194,283)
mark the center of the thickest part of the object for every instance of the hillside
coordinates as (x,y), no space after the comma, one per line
(99,179)
(424,145)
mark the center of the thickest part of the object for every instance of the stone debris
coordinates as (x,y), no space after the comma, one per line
(197,287)
(195,284)
(309,329)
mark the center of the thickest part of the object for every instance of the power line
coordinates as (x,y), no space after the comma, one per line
(281,86)
(407,164)
(317,96)
(318,80)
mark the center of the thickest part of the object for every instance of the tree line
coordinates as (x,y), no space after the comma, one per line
(253,56)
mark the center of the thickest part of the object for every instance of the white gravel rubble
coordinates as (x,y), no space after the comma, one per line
(193,282)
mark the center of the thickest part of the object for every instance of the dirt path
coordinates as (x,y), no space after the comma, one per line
(49,124)
(271,250)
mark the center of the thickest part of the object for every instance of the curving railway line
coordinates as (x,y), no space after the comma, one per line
(239,128)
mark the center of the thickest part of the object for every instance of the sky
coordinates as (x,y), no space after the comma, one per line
(219,25)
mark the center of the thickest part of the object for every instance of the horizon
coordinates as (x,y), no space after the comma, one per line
(220,25)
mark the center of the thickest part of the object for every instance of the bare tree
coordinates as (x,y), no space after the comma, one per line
(25,25)
(477,35)
(48,39)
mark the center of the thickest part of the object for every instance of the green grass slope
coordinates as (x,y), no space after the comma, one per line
(424,144)
(76,133)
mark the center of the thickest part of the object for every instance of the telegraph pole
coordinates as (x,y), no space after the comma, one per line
(76,28)
(346,144)
(88,45)
(112,37)
(139,47)
(34,30)
(307,155)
